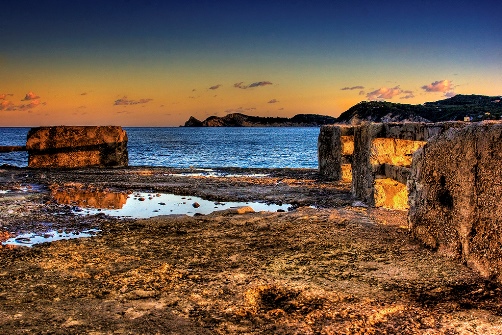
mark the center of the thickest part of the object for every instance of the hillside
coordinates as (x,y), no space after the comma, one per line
(477,107)
(242,120)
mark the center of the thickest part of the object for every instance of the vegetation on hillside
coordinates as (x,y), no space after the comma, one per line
(477,107)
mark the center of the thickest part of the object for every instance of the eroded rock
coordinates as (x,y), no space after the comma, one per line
(454,196)
(77,146)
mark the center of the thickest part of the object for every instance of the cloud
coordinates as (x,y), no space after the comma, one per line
(30,96)
(362,93)
(439,86)
(5,95)
(384,93)
(124,101)
(273,101)
(215,87)
(83,93)
(352,88)
(409,95)
(260,83)
(256,84)
(7,105)
(450,94)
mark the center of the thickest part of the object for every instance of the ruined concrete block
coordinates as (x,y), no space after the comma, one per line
(363,178)
(334,147)
(77,146)
(455,189)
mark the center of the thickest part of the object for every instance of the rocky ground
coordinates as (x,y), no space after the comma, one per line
(324,267)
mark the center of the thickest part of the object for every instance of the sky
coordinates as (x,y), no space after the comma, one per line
(156,63)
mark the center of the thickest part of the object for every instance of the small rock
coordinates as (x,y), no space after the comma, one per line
(195,205)
(141,199)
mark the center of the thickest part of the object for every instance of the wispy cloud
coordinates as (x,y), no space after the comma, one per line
(241,84)
(215,87)
(352,88)
(30,96)
(8,105)
(444,86)
(125,102)
(409,95)
(260,83)
(5,95)
(384,93)
(83,93)
(273,101)
(439,86)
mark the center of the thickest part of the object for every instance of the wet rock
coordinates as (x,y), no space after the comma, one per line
(195,205)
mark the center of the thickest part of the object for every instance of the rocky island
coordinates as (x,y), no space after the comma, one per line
(242,120)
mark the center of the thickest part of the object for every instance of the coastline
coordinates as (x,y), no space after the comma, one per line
(323,267)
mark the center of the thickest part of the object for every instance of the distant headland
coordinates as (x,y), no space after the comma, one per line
(242,120)
(458,108)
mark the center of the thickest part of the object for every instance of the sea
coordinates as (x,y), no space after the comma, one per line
(206,147)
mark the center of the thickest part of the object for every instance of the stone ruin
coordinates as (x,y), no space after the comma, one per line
(77,146)
(448,175)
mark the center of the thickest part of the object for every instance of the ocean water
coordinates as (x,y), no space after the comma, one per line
(203,147)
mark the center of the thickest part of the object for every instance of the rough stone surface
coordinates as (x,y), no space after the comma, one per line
(363,179)
(378,146)
(335,147)
(77,146)
(455,189)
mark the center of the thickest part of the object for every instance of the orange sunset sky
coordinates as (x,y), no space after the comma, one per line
(156,63)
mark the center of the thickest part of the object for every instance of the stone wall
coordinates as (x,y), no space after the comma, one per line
(455,192)
(77,146)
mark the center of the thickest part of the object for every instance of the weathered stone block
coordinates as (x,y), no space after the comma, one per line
(77,146)
(334,147)
(455,189)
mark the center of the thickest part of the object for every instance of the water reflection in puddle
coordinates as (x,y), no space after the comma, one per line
(146,205)
(30,239)
(90,198)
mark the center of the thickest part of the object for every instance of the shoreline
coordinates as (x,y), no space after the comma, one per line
(332,268)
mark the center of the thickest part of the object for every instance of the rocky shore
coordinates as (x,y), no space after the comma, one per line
(326,266)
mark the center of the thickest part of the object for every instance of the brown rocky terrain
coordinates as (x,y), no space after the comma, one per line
(324,267)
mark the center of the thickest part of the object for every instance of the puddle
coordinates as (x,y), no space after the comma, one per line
(30,239)
(146,205)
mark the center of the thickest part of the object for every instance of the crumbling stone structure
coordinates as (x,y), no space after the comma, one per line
(77,146)
(379,158)
(335,147)
(455,191)
(449,175)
